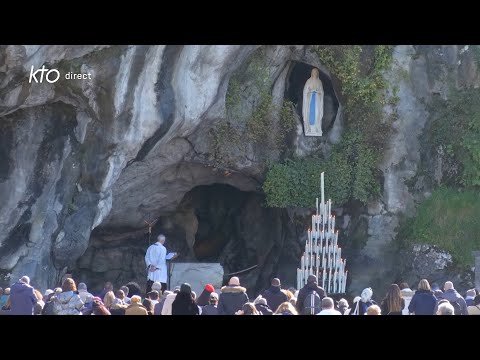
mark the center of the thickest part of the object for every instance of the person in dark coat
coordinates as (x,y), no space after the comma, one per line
(232,297)
(22,297)
(262,306)
(274,295)
(212,307)
(393,303)
(452,295)
(423,301)
(306,290)
(204,297)
(133,289)
(184,303)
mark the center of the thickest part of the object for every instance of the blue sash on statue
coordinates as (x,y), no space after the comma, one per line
(312,108)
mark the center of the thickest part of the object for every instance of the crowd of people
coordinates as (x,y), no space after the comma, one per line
(69,299)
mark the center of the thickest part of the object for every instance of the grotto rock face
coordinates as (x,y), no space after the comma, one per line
(84,164)
(418,73)
(111,151)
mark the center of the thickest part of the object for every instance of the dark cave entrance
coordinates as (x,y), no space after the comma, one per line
(217,209)
(230,227)
(233,227)
(299,74)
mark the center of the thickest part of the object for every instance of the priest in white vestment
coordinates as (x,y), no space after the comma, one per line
(156,260)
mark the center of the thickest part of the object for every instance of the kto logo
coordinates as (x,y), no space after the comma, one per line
(51,78)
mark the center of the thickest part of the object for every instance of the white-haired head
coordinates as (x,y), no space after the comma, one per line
(157,287)
(366,295)
(445,309)
(161,239)
(448,285)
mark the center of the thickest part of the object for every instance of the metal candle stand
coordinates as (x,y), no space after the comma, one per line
(322,256)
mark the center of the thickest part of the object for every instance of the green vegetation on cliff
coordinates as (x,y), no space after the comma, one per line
(456,134)
(352,165)
(350,169)
(449,219)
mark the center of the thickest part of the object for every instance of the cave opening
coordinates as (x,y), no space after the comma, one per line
(299,74)
(214,210)
(216,223)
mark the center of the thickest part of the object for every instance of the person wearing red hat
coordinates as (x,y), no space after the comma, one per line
(204,297)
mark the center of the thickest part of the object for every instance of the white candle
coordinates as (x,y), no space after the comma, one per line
(345,281)
(302,262)
(329,280)
(298,279)
(335,282)
(334,258)
(322,186)
(316,206)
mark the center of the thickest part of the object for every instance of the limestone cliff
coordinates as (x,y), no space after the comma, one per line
(84,163)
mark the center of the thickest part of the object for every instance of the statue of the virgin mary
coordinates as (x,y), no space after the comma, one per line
(312,109)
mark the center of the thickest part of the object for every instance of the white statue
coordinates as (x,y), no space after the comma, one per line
(312,109)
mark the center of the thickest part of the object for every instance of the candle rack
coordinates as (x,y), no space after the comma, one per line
(322,256)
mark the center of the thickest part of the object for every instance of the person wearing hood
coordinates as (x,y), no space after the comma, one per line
(423,301)
(308,289)
(22,297)
(68,302)
(453,296)
(232,297)
(274,295)
(262,306)
(363,302)
(184,303)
